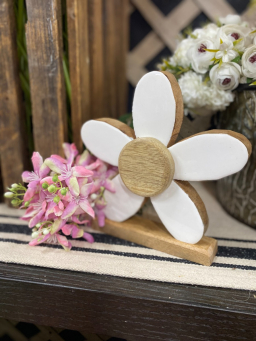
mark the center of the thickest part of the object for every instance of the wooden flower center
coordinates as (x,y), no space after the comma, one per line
(146,166)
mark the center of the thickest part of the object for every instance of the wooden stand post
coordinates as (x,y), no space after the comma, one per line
(154,235)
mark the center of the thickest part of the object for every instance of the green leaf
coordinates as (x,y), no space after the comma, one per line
(249,80)
(127,119)
(210,50)
(236,60)
(218,23)
(193,36)
(253,83)
(237,41)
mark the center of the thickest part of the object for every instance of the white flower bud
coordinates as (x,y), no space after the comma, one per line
(45,231)
(8,195)
(35,234)
(94,196)
(14,185)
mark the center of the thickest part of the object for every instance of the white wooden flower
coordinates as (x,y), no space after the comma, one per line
(151,165)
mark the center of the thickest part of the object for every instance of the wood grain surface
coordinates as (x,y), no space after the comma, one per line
(96,48)
(13,151)
(136,310)
(146,166)
(119,125)
(179,107)
(122,18)
(111,55)
(44,47)
(115,23)
(79,66)
(154,235)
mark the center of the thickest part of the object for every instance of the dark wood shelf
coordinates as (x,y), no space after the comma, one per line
(132,309)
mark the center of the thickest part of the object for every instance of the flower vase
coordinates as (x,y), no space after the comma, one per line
(237,193)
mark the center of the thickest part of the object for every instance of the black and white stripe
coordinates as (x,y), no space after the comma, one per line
(235,261)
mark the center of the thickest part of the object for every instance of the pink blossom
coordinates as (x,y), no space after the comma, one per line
(66,171)
(100,205)
(75,232)
(102,177)
(53,216)
(78,203)
(33,178)
(35,213)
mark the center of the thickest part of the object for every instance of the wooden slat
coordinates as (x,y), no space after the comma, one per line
(1,183)
(156,19)
(249,15)
(110,55)
(96,58)
(147,49)
(215,9)
(12,136)
(44,46)
(134,72)
(154,42)
(123,37)
(79,65)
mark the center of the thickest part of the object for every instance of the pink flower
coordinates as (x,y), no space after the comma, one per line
(66,171)
(33,178)
(84,159)
(102,177)
(75,232)
(52,239)
(35,213)
(55,208)
(100,205)
(78,203)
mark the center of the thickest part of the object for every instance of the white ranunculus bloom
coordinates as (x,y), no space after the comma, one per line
(203,96)
(226,52)
(249,62)
(231,19)
(200,58)
(180,54)
(234,32)
(226,76)
(208,31)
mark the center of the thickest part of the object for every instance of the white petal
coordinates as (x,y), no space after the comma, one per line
(122,204)
(104,140)
(208,156)
(179,214)
(154,107)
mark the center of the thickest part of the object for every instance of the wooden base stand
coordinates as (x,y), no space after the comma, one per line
(154,235)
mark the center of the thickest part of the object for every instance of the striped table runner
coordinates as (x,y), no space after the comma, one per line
(233,267)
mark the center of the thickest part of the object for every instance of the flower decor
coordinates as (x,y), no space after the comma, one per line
(151,165)
(212,61)
(62,195)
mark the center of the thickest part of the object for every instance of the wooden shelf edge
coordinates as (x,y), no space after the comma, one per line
(154,235)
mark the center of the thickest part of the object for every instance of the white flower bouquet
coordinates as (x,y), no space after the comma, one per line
(212,61)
